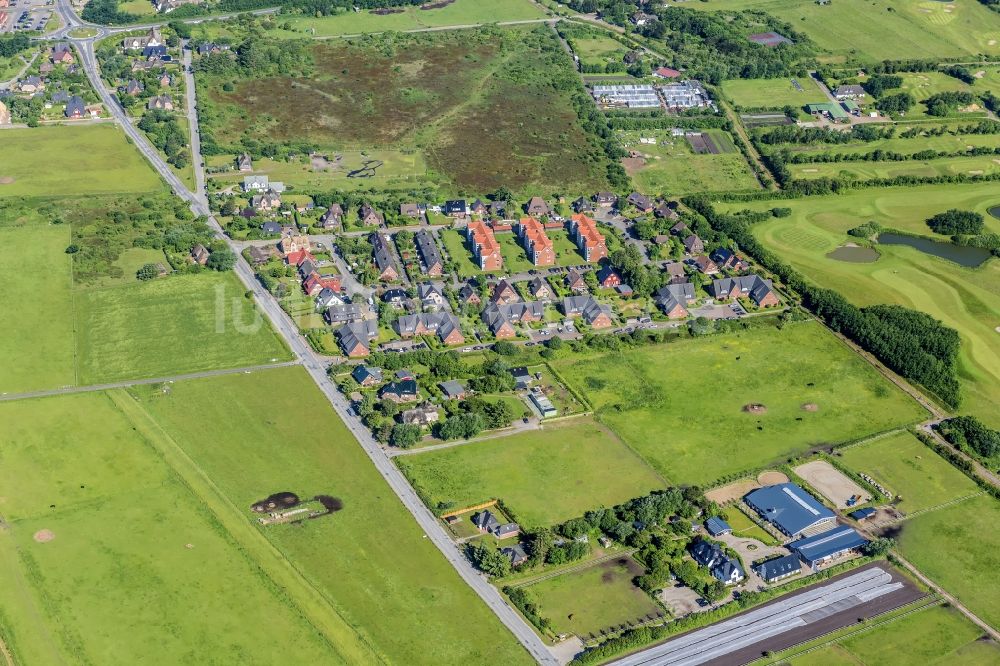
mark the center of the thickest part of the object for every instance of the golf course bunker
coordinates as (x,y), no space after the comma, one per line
(44,536)
(755,408)
(833,484)
(772,478)
(6,180)
(854,254)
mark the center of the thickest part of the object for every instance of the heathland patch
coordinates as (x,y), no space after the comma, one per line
(545,477)
(369,561)
(683,406)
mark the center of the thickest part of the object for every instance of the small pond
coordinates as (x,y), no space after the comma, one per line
(960,254)
(854,254)
(995,212)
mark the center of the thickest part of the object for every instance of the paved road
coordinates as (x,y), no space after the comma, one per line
(315,365)
(192,118)
(246,370)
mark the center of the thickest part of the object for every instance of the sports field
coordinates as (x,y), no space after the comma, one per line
(910,470)
(937,635)
(110,558)
(165,327)
(772,93)
(63,161)
(906,29)
(36,336)
(958,547)
(682,406)
(966,299)
(593,599)
(392,591)
(983,165)
(545,476)
(671,167)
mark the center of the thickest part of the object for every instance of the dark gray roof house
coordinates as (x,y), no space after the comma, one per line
(327,297)
(778,568)
(456,207)
(516,554)
(485,521)
(367,375)
(522,378)
(384,260)
(717,526)
(429,253)
(761,291)
(271,227)
(674,295)
(640,201)
(583,205)
(75,107)
(403,391)
(453,389)
(339,313)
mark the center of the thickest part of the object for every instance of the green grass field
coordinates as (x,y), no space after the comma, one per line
(865,170)
(906,29)
(911,470)
(744,527)
(772,93)
(681,405)
(138,566)
(177,325)
(545,476)
(671,167)
(458,252)
(965,299)
(945,143)
(458,13)
(598,597)
(257,434)
(102,162)
(596,49)
(936,635)
(36,340)
(958,547)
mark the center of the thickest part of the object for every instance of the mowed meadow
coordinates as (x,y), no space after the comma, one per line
(466,101)
(967,299)
(684,406)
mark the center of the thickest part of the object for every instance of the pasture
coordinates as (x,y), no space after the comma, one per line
(682,406)
(430,95)
(671,167)
(772,93)
(949,143)
(545,476)
(389,588)
(982,165)
(935,635)
(109,557)
(103,162)
(590,600)
(176,325)
(958,547)
(909,469)
(36,338)
(966,299)
(902,30)
(595,48)
(746,528)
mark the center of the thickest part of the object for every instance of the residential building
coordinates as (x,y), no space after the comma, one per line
(355,338)
(137,43)
(720,565)
(537,245)
(504,293)
(516,553)
(727,259)
(444,324)
(539,289)
(778,568)
(596,315)
(366,375)
(340,313)
(410,210)
(423,415)
(244,163)
(468,294)
(849,92)
(583,205)
(456,208)
(790,508)
(752,286)
(641,202)
(75,107)
(605,199)
(384,259)
(674,298)
(160,103)
(315,283)
(706,265)
(333,217)
(400,391)
(537,207)
(199,254)
(292,243)
(663,211)
(62,54)
(327,297)
(134,87)
(608,278)
(575,281)
(694,245)
(430,256)
(542,403)
(261,255)
(268,201)
(717,526)
(453,389)
(822,548)
(478,207)
(676,272)
(591,243)
(369,216)
(484,246)
(430,296)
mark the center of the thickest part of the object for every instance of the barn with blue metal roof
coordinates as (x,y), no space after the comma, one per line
(717,526)
(789,508)
(827,545)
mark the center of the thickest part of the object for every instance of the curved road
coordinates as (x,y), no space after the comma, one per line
(313,363)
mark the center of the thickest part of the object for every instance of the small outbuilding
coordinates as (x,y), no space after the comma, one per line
(717,526)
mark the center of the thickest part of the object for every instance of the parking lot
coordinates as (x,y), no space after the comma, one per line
(26,15)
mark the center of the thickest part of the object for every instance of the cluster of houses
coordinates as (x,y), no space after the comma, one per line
(39,85)
(150,58)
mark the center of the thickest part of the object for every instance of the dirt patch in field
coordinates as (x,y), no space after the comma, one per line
(980,74)
(732,491)
(702,144)
(810,407)
(633,165)
(385,11)
(44,536)
(832,483)
(755,408)
(772,478)
(436,5)
(6,180)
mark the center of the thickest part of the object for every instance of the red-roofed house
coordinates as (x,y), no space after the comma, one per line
(316,283)
(484,246)
(666,73)
(537,244)
(588,239)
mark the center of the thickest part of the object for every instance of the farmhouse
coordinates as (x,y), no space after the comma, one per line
(366,375)
(590,242)
(385,262)
(790,508)
(355,338)
(536,243)
(849,92)
(674,298)
(721,566)
(822,548)
(778,568)
(484,246)
(758,289)
(595,314)
(400,391)
(430,256)
(444,324)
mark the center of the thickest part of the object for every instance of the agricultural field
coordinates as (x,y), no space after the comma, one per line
(698,430)
(912,29)
(589,600)
(772,93)
(935,635)
(432,95)
(902,464)
(88,500)
(967,299)
(545,476)
(949,143)
(671,166)
(958,547)
(983,165)
(103,162)
(369,566)
(178,325)
(36,345)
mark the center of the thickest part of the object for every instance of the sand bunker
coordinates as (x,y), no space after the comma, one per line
(44,536)
(6,180)
(755,408)
(810,407)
